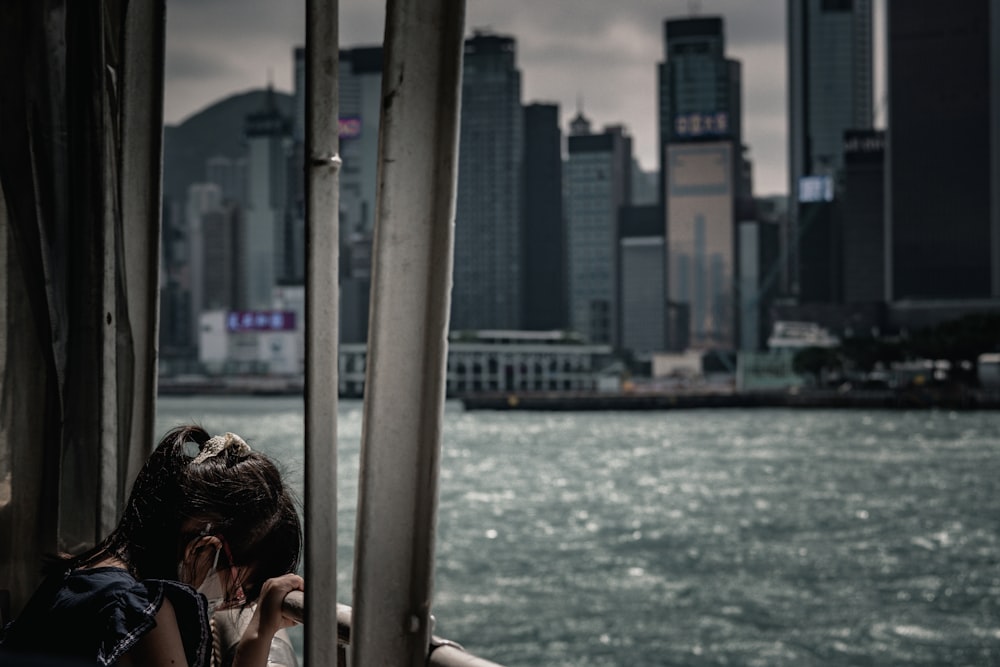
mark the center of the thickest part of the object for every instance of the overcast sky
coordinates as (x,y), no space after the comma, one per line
(602,52)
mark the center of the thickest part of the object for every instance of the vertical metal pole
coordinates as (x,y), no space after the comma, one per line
(994,84)
(322,327)
(408,332)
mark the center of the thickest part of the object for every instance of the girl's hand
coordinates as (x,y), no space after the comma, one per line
(267,619)
(272,594)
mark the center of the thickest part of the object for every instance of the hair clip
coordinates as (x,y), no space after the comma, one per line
(220,443)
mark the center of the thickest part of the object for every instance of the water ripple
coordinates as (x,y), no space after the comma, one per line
(723,537)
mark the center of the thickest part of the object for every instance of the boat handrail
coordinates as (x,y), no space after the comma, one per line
(440,653)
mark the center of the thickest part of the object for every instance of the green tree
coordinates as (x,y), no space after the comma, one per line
(864,353)
(812,361)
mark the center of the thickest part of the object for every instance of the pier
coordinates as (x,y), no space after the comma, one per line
(802,398)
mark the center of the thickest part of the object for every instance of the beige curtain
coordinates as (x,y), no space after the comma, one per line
(80,153)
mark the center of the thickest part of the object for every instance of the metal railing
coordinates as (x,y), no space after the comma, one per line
(440,652)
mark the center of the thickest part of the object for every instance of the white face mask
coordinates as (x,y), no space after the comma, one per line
(212,587)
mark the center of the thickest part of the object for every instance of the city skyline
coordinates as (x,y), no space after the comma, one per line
(560,47)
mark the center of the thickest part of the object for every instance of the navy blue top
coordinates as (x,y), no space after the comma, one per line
(97,615)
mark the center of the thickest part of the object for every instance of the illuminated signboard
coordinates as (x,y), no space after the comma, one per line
(815,189)
(349,127)
(689,125)
(260,320)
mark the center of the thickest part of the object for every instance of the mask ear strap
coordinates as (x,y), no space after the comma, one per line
(215,563)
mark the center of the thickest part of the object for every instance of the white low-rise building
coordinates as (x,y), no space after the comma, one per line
(787,335)
(504,361)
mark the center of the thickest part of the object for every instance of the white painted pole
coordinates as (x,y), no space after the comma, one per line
(322,171)
(408,332)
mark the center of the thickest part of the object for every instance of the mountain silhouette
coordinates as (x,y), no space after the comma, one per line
(213,131)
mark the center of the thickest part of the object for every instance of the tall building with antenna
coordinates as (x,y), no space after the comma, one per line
(268,141)
(703,180)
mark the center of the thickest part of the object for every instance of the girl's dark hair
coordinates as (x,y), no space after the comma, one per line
(240,493)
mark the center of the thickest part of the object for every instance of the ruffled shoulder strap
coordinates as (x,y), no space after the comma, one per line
(134,615)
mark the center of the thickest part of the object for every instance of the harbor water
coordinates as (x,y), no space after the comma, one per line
(692,537)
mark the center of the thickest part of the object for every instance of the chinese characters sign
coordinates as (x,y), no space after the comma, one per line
(690,125)
(260,320)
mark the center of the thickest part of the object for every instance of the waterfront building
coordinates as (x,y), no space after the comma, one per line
(256,342)
(500,361)
(943,152)
(488,262)
(791,335)
(251,343)
(267,237)
(545,300)
(830,84)
(704,176)
(597,183)
(771,370)
(643,280)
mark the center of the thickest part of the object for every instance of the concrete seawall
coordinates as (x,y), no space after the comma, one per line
(965,400)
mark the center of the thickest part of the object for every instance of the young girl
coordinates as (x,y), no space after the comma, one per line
(209,524)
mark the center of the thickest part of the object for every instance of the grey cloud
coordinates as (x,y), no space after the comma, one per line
(606,52)
(221,24)
(197,64)
(747,22)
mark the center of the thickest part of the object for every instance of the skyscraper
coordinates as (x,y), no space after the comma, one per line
(489,265)
(360,106)
(643,289)
(202,198)
(360,109)
(268,134)
(704,178)
(943,150)
(544,224)
(222,232)
(230,175)
(863,214)
(597,183)
(360,96)
(700,90)
(829,91)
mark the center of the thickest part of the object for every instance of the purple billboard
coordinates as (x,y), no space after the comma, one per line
(349,127)
(260,320)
